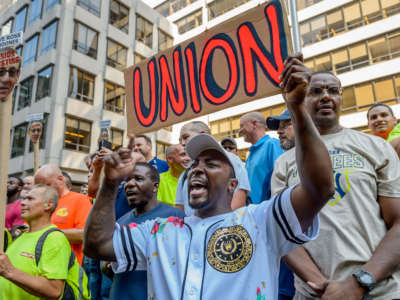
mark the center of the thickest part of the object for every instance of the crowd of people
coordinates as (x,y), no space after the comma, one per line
(313,215)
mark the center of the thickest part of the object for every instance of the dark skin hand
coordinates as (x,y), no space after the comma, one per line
(100,224)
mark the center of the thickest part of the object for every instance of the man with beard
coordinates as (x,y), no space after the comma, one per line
(13,209)
(190,130)
(141,193)
(217,253)
(382,122)
(143,145)
(178,161)
(283,126)
(356,254)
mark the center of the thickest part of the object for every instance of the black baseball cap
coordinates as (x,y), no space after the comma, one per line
(273,121)
(230,140)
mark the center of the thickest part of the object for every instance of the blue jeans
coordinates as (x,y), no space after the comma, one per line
(92,269)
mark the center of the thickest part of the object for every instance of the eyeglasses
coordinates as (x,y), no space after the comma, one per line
(332,90)
(227,148)
(12,72)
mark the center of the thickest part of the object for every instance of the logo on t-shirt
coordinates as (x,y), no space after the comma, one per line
(229,249)
(62,212)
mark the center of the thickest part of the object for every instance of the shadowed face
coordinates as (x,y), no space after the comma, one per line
(139,188)
(324,99)
(286,134)
(209,179)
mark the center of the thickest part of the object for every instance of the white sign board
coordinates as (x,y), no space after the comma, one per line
(105,124)
(11,40)
(35,117)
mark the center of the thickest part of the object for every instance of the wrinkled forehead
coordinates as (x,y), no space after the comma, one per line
(324,79)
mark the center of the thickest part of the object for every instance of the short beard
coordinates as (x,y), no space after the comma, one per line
(199,206)
(11,193)
(287,145)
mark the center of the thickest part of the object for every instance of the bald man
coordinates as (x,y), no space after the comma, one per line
(263,153)
(72,209)
(178,161)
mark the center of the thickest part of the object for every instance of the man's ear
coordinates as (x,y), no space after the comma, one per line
(155,186)
(232,184)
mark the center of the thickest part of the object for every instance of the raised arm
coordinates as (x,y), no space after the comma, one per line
(99,229)
(312,158)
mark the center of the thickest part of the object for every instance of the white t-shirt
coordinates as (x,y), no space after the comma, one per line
(182,197)
(230,256)
(364,167)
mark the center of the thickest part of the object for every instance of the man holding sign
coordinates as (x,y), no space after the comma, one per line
(203,254)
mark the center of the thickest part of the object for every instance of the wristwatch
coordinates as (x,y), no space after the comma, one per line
(365,280)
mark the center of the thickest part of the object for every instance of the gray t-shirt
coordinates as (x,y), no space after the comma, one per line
(364,167)
(182,197)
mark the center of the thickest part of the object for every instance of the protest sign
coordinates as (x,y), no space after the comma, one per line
(232,63)
(35,132)
(105,124)
(9,63)
(11,40)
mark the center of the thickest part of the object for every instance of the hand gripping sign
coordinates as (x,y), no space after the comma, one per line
(232,63)
(10,64)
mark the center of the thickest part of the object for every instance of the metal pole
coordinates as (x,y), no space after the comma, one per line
(295,25)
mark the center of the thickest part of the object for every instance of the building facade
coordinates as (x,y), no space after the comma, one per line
(358,40)
(73,55)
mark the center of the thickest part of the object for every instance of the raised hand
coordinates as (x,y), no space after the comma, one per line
(119,165)
(294,79)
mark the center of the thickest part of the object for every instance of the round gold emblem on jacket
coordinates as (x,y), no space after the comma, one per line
(229,249)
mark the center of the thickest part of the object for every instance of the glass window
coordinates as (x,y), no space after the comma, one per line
(20,20)
(352,15)
(370,10)
(30,50)
(25,93)
(77,134)
(42,139)
(116,55)
(305,33)
(310,64)
(219,7)
(163,9)
(340,61)
(18,144)
(92,6)
(119,16)
(164,40)
(14,99)
(349,99)
(144,31)
(85,40)
(139,58)
(51,3)
(397,83)
(318,29)
(191,21)
(49,37)
(19,50)
(35,11)
(114,97)
(335,22)
(378,49)
(394,43)
(7,27)
(81,85)
(364,94)
(323,63)
(390,7)
(171,6)
(116,138)
(44,83)
(384,90)
(359,56)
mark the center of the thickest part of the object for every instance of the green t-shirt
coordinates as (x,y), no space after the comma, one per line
(394,134)
(167,189)
(53,262)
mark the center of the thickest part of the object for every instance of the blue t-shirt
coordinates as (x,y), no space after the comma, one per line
(161,165)
(259,166)
(133,285)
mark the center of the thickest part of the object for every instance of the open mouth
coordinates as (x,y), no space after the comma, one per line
(197,187)
(130,193)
